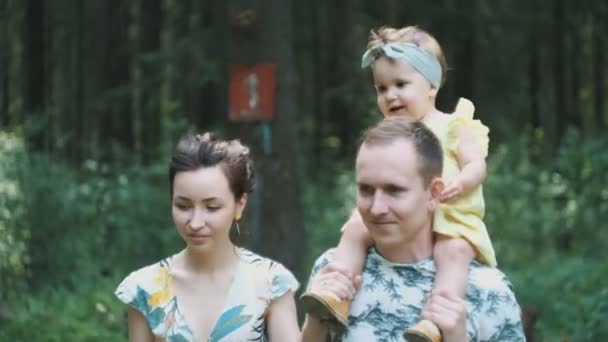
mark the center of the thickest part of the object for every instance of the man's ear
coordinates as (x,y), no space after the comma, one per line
(240,206)
(436,187)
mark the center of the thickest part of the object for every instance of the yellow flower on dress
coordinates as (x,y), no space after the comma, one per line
(166,293)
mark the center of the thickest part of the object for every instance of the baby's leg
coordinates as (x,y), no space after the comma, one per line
(354,243)
(452,258)
(350,254)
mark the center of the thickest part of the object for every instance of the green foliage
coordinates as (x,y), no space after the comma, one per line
(570,295)
(90,313)
(94,220)
(14,233)
(537,207)
(90,226)
(327,205)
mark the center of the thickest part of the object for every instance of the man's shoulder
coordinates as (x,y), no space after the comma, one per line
(493,304)
(489,278)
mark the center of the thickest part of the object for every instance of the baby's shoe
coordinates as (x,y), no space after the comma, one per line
(423,331)
(326,307)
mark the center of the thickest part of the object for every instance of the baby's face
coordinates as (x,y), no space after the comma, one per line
(401,90)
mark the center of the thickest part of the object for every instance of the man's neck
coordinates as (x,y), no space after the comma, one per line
(416,249)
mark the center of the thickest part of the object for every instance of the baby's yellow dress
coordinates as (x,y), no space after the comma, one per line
(463,217)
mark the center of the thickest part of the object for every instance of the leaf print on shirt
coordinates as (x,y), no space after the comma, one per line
(392,288)
(475,298)
(508,331)
(373,270)
(228,322)
(411,276)
(387,325)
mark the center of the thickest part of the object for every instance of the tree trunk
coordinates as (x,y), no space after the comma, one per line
(34,53)
(577,54)
(136,79)
(550,121)
(15,86)
(168,102)
(278,232)
(3,61)
(151,14)
(319,82)
(533,65)
(598,64)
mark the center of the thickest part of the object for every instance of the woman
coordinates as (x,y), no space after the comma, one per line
(211,290)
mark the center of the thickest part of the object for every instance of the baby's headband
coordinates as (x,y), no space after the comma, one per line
(425,63)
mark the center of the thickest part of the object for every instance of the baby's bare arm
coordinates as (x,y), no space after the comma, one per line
(354,243)
(471,160)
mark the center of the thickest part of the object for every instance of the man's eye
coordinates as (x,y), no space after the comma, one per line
(366,190)
(182,206)
(394,190)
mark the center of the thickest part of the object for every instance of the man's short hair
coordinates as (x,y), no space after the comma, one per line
(426,144)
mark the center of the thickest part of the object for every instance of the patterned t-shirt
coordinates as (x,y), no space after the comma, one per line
(258,282)
(392,295)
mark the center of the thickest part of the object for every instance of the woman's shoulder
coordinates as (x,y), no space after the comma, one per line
(271,274)
(147,278)
(258,261)
(151,271)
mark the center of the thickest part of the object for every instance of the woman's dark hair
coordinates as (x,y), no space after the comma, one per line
(193,152)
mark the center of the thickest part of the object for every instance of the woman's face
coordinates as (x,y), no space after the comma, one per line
(203,207)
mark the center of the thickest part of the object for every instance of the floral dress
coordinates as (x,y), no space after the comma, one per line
(258,282)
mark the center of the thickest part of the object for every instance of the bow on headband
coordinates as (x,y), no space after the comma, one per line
(425,63)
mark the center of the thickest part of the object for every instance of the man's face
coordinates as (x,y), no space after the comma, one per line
(392,199)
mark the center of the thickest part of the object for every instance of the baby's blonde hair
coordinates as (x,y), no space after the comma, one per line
(413,35)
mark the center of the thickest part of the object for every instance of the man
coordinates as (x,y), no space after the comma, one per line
(398,168)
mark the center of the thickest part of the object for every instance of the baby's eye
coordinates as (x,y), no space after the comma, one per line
(401,84)
(380,89)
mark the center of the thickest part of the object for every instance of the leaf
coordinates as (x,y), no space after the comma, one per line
(228,322)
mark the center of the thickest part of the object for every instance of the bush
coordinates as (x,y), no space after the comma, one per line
(538,209)
(94,220)
(570,296)
(56,314)
(14,232)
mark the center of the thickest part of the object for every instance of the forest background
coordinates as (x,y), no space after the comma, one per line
(94,93)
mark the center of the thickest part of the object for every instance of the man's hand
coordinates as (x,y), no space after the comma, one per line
(336,280)
(449,313)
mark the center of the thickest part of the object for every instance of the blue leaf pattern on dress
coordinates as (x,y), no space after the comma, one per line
(228,322)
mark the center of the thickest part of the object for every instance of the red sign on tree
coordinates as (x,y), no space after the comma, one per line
(252,90)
